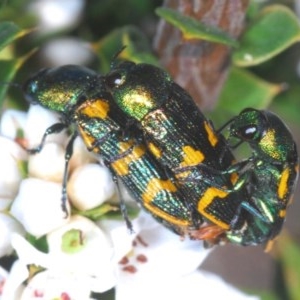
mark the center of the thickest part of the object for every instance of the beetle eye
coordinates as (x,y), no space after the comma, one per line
(114,80)
(248,132)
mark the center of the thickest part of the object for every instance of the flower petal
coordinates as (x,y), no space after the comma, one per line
(38,120)
(92,257)
(92,261)
(10,175)
(11,121)
(89,186)
(49,163)
(49,285)
(38,206)
(81,155)
(8,226)
(166,254)
(13,287)
(194,286)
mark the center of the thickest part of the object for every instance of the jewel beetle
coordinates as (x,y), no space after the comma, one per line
(270,173)
(78,95)
(182,139)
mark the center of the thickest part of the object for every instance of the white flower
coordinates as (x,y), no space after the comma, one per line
(81,256)
(50,285)
(81,155)
(8,226)
(3,276)
(12,121)
(162,266)
(162,248)
(40,166)
(85,256)
(82,247)
(38,206)
(193,286)
(37,121)
(79,248)
(57,14)
(11,157)
(90,185)
(13,288)
(158,265)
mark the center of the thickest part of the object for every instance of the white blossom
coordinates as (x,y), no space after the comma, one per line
(90,185)
(162,266)
(41,166)
(38,206)
(8,226)
(57,14)
(38,120)
(11,157)
(83,255)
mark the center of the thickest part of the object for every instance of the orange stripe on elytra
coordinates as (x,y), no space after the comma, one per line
(283,183)
(212,137)
(207,198)
(121,165)
(191,156)
(95,109)
(154,187)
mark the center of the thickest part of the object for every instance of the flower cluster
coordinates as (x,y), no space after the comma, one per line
(68,256)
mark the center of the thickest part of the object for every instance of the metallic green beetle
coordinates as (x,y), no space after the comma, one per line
(183,140)
(270,174)
(78,95)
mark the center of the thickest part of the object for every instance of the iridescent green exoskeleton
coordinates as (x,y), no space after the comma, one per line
(270,174)
(182,139)
(78,95)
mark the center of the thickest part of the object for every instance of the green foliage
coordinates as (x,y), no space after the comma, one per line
(244,89)
(289,264)
(9,33)
(39,243)
(106,211)
(137,47)
(275,29)
(193,29)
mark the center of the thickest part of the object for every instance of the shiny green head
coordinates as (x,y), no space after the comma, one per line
(138,88)
(61,89)
(266,133)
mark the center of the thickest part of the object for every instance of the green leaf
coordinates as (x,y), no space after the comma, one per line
(275,29)
(193,29)
(8,69)
(287,104)
(243,89)
(132,212)
(39,243)
(289,256)
(10,32)
(136,49)
(97,212)
(106,211)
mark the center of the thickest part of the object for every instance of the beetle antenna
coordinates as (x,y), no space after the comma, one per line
(225,125)
(114,58)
